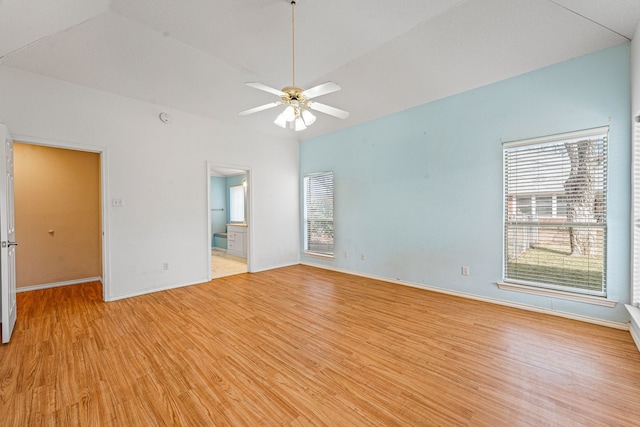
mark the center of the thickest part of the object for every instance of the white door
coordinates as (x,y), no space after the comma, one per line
(7,236)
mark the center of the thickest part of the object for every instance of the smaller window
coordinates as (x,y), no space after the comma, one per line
(318,213)
(236,203)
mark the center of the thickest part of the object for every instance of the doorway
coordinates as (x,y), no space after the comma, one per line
(59,215)
(228,246)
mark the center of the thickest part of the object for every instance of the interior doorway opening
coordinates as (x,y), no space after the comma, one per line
(60,215)
(228,194)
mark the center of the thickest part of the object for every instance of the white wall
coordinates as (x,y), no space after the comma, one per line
(159,170)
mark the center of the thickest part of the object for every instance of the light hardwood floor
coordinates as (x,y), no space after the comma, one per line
(300,346)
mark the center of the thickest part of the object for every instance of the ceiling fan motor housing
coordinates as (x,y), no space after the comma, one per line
(293,93)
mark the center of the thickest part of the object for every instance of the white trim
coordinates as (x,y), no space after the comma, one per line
(636,338)
(635,211)
(634,312)
(557,137)
(318,255)
(58,284)
(275,267)
(553,293)
(587,319)
(48,142)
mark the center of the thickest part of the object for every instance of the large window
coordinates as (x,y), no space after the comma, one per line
(318,213)
(555,216)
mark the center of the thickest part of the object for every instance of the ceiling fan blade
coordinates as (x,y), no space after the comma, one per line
(266,88)
(332,111)
(322,89)
(260,108)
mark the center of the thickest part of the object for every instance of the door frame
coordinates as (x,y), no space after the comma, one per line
(7,233)
(102,152)
(210,165)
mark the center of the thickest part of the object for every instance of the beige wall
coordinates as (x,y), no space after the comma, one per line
(57,208)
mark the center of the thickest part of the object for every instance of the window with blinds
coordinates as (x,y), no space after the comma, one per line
(636,213)
(236,203)
(555,212)
(318,213)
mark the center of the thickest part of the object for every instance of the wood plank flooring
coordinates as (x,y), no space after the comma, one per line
(300,346)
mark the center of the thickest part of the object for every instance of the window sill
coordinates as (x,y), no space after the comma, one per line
(589,299)
(634,312)
(317,255)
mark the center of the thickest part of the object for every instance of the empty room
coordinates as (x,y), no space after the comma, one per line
(341,213)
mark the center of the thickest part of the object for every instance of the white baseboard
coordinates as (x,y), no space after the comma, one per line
(636,338)
(154,290)
(181,285)
(587,319)
(274,267)
(58,284)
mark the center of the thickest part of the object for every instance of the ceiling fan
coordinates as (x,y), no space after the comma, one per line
(298,101)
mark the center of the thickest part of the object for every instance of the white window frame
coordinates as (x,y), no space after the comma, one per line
(309,216)
(591,296)
(635,217)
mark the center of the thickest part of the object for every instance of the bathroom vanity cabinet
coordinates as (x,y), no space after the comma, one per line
(237,240)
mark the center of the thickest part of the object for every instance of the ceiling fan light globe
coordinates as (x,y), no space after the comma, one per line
(289,113)
(308,117)
(281,121)
(300,124)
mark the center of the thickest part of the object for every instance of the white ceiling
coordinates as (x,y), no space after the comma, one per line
(196,55)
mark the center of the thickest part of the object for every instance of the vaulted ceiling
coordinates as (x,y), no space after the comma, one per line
(196,55)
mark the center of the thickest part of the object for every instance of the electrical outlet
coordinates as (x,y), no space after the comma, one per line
(346,254)
(117,203)
(464,270)
(362,257)
(165,266)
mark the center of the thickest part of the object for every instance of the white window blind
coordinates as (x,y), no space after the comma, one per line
(555,214)
(636,213)
(236,203)
(318,213)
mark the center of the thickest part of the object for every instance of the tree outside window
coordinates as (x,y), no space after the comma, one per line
(555,211)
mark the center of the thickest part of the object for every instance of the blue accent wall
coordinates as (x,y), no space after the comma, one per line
(420,192)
